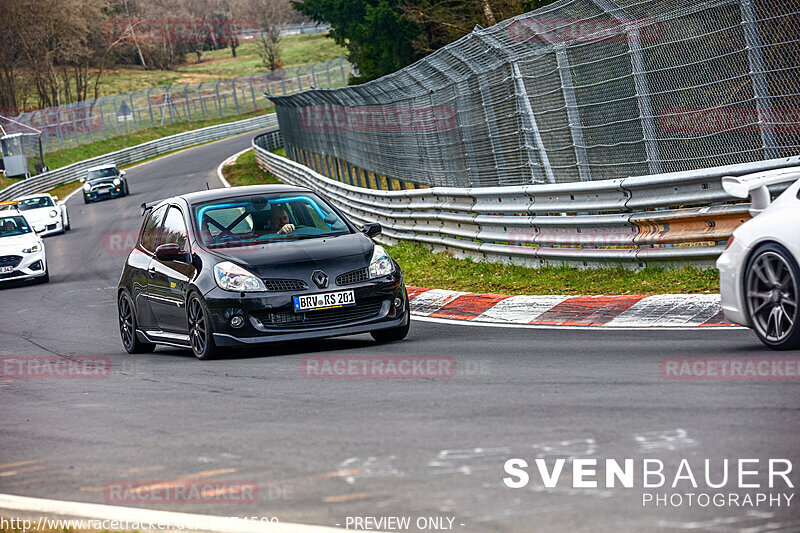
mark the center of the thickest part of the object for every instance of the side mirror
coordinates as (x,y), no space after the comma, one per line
(371,230)
(170,252)
(121,172)
(55,198)
(82,180)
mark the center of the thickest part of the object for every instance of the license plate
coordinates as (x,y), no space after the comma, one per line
(328,300)
(6,270)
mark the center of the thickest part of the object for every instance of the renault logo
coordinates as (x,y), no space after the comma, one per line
(320,278)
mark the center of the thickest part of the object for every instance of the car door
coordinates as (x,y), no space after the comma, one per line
(139,261)
(168,280)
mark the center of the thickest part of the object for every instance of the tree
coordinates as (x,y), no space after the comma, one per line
(383,36)
(377,37)
(269,15)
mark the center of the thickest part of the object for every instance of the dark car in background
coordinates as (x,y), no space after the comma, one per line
(104,182)
(252,265)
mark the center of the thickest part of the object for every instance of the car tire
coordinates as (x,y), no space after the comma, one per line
(772,296)
(127,327)
(127,191)
(201,337)
(85,200)
(392,334)
(46,277)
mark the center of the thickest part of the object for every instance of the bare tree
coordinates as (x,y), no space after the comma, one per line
(269,15)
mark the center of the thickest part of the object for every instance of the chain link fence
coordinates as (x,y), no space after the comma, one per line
(120,114)
(581,90)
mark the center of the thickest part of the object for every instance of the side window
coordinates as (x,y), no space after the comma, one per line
(149,237)
(174,231)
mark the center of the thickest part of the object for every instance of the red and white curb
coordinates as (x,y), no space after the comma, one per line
(626,311)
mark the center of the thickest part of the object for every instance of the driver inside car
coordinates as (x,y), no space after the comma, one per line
(280,221)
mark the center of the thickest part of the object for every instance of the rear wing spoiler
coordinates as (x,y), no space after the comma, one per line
(756,186)
(147,206)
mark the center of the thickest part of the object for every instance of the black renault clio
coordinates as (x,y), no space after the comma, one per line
(251,265)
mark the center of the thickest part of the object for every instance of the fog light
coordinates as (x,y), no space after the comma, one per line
(398,302)
(237,321)
(37,266)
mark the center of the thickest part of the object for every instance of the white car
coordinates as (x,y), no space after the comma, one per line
(22,254)
(759,273)
(44,213)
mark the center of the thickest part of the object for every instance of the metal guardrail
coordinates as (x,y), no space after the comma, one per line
(584,224)
(134,154)
(577,90)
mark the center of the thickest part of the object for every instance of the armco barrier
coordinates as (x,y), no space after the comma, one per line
(137,153)
(684,217)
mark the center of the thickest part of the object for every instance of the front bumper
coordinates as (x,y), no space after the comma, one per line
(53,226)
(30,266)
(95,195)
(270,317)
(731,265)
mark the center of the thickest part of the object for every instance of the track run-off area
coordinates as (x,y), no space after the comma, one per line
(322,450)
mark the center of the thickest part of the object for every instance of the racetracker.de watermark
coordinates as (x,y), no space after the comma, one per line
(54,367)
(378,367)
(180,491)
(177,30)
(378,119)
(779,368)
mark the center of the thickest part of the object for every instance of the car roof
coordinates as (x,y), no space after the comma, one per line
(102,167)
(210,195)
(39,195)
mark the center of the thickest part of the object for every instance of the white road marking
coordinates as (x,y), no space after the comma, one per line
(93,511)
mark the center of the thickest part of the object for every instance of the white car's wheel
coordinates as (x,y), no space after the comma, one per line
(772,293)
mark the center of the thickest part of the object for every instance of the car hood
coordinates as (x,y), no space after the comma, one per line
(298,259)
(105,182)
(15,244)
(40,214)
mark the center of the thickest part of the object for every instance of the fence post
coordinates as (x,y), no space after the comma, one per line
(136,120)
(575,128)
(235,98)
(341,67)
(299,81)
(116,112)
(766,121)
(102,119)
(219,100)
(202,100)
(253,91)
(186,102)
(639,80)
(59,134)
(150,107)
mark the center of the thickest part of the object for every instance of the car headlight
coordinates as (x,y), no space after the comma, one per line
(87,187)
(53,213)
(380,264)
(33,249)
(234,278)
(117,182)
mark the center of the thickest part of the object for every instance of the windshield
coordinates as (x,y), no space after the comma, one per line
(261,219)
(110,172)
(12,226)
(35,203)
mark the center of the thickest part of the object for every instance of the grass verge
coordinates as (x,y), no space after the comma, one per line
(424,268)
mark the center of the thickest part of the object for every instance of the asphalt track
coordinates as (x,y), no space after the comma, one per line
(321,450)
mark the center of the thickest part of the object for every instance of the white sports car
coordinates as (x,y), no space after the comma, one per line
(22,254)
(759,273)
(44,213)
